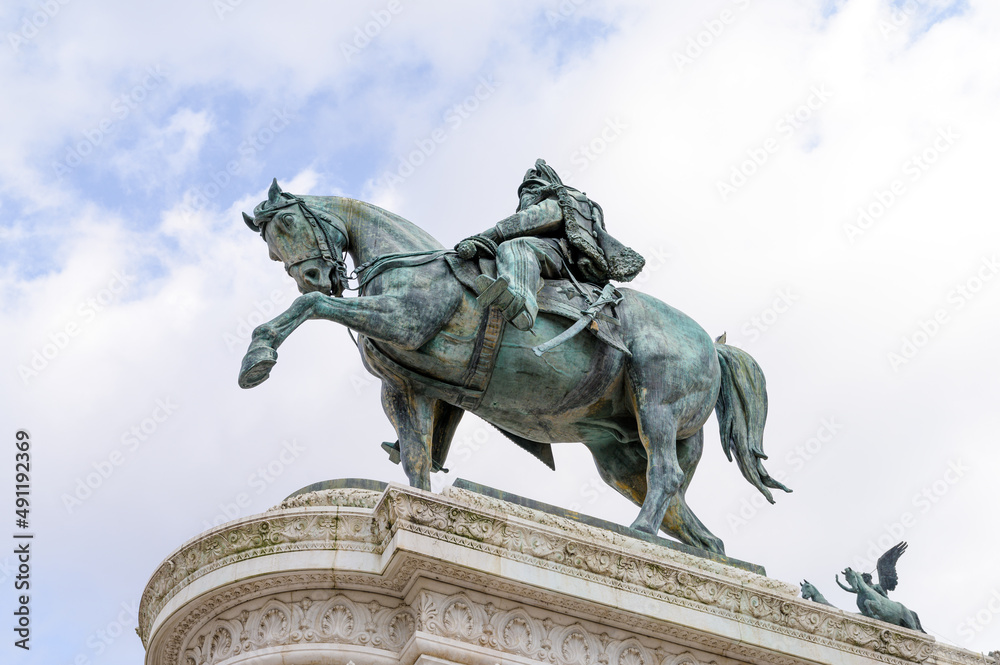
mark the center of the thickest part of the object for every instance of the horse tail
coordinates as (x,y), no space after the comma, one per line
(742,409)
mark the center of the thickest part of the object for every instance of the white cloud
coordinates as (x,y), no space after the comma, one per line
(649,140)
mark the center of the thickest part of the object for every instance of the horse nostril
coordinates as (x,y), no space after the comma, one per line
(312,274)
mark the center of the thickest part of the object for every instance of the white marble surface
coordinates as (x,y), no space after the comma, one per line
(407,576)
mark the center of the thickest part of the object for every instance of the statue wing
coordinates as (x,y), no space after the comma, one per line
(886,566)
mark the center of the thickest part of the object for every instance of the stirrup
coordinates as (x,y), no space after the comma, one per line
(522,321)
(492,292)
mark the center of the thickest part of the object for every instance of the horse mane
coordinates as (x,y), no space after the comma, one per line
(385,232)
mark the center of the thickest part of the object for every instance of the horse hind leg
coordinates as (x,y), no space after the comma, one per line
(679,520)
(423,425)
(657,431)
(623,467)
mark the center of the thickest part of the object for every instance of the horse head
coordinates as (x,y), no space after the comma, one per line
(853,578)
(808,590)
(310,243)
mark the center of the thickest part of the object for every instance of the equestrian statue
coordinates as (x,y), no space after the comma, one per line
(521,326)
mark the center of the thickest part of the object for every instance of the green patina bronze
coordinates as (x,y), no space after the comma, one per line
(875,604)
(636,389)
(873,597)
(810,592)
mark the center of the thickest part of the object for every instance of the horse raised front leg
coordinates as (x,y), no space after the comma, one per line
(383,317)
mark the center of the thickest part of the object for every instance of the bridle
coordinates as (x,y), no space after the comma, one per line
(322,240)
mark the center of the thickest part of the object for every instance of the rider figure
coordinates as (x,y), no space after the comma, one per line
(556,229)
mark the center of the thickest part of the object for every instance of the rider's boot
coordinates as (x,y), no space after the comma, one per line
(518,263)
(522,311)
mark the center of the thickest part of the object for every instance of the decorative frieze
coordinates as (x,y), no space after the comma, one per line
(346,618)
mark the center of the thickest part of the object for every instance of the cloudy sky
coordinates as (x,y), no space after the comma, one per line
(815,178)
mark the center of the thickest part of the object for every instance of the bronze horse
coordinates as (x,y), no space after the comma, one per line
(639,410)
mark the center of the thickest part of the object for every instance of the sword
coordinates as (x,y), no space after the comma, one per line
(587,317)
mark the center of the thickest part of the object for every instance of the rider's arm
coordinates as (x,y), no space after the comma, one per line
(542,219)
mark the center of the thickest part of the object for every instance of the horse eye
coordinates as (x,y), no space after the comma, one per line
(287,219)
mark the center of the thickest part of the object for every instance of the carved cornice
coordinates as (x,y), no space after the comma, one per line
(343,498)
(365,521)
(947,655)
(651,571)
(333,528)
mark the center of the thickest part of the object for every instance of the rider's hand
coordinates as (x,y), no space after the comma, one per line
(467,249)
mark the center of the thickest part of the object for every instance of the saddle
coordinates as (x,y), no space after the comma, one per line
(560,297)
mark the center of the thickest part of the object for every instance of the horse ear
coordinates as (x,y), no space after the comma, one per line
(249,222)
(274,193)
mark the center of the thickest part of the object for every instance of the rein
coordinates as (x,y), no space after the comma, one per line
(369,270)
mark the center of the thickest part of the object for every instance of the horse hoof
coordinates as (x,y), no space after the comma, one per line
(643,528)
(257,364)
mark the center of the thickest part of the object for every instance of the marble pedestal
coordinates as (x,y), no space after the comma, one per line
(379,577)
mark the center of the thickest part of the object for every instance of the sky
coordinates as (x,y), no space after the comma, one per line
(815,178)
